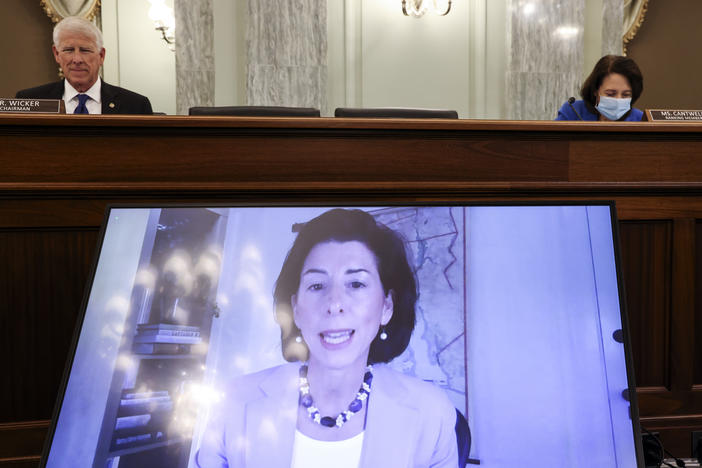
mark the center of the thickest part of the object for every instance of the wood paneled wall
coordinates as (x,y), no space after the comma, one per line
(42,277)
(26,47)
(60,173)
(668,40)
(646,265)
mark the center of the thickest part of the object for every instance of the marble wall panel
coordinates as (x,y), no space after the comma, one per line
(612,26)
(545,56)
(194,54)
(287,53)
(541,94)
(272,85)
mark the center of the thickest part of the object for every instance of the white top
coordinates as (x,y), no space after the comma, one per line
(313,453)
(70,97)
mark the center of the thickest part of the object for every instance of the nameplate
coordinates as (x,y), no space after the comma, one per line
(39,106)
(671,115)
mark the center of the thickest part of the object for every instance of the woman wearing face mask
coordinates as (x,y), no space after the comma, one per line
(608,93)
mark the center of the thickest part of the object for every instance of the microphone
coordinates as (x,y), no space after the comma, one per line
(571,100)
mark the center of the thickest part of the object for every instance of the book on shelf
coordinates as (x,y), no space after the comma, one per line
(127,422)
(139,401)
(120,442)
(191,333)
(165,327)
(160,348)
(130,441)
(141,406)
(157,423)
(131,394)
(141,420)
(178,339)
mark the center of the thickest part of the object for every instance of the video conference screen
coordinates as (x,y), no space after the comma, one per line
(207,330)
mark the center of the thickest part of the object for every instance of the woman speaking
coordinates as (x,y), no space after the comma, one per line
(608,93)
(345,302)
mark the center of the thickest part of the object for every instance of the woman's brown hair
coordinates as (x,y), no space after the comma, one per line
(606,66)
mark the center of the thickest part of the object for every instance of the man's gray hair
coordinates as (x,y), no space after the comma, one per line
(76,24)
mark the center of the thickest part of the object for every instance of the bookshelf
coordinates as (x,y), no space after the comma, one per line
(149,412)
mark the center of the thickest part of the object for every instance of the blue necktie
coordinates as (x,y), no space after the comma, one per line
(81,109)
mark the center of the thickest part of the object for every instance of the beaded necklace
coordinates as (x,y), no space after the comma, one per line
(355,406)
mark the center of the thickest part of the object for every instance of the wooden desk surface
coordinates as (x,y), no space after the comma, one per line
(229,152)
(58,173)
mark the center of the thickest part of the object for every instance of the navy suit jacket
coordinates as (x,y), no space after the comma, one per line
(115,100)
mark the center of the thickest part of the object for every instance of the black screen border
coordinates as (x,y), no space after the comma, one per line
(631,380)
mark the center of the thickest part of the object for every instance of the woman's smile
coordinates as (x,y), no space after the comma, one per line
(333,339)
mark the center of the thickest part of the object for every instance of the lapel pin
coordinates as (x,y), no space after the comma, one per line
(111,105)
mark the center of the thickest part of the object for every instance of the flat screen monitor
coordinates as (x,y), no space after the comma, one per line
(189,348)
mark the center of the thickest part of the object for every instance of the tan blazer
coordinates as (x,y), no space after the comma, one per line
(410,423)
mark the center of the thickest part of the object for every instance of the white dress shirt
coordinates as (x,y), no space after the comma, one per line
(70,97)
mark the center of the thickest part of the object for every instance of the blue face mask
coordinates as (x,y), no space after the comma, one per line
(613,108)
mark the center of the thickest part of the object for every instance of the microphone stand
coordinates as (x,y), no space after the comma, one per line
(571,100)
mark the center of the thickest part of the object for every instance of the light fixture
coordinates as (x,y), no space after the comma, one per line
(417,8)
(164,20)
(567,32)
(528,9)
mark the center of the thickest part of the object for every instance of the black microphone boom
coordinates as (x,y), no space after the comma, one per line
(571,100)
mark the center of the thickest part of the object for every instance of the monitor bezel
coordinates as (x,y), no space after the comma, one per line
(631,380)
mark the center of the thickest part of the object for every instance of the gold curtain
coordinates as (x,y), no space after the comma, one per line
(59,9)
(634,13)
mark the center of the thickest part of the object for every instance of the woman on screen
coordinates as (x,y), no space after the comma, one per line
(608,93)
(344,300)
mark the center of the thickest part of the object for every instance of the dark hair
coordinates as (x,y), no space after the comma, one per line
(606,66)
(395,273)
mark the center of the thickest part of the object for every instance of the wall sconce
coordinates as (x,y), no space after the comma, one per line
(164,20)
(417,8)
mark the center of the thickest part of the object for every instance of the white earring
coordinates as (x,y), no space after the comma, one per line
(298,339)
(383,335)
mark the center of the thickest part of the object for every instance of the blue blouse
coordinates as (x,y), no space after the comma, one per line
(566,113)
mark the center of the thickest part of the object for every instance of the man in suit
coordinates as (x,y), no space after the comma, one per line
(79,51)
